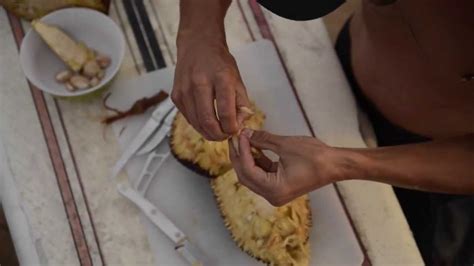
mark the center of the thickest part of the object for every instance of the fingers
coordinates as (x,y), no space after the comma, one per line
(267,184)
(186,105)
(205,112)
(176,94)
(194,97)
(264,162)
(196,101)
(249,158)
(264,140)
(272,184)
(225,97)
(249,173)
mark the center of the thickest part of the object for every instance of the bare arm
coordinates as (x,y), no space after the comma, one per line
(306,164)
(202,19)
(206,71)
(439,166)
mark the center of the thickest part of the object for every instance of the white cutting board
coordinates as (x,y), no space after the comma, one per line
(187,198)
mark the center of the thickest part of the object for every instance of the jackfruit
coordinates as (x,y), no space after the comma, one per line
(72,53)
(274,235)
(33,9)
(205,157)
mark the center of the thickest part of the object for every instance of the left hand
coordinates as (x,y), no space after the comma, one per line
(305,164)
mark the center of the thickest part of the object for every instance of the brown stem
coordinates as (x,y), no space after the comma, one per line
(139,107)
(108,107)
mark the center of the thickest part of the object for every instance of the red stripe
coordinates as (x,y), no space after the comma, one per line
(91,219)
(56,159)
(267,34)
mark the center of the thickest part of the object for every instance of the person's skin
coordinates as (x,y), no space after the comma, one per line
(306,163)
(206,70)
(408,63)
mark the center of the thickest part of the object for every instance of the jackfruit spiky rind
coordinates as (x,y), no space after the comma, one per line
(33,9)
(187,146)
(261,230)
(201,155)
(190,165)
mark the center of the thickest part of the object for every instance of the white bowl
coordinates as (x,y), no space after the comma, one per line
(40,64)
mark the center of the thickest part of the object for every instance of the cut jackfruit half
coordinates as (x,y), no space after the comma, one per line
(32,9)
(274,235)
(201,155)
(72,53)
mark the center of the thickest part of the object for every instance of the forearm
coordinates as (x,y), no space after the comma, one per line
(439,166)
(202,19)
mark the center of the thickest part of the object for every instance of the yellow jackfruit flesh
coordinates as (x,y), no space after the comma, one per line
(211,157)
(275,235)
(33,9)
(72,53)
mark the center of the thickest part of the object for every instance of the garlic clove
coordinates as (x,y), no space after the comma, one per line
(69,87)
(79,82)
(94,81)
(91,69)
(63,76)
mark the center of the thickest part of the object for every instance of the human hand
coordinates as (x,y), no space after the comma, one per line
(206,71)
(304,164)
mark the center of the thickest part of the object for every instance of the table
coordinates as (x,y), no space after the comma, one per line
(55,155)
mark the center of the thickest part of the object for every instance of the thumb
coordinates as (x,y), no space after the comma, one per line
(264,140)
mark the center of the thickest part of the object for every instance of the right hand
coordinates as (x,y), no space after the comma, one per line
(304,164)
(205,71)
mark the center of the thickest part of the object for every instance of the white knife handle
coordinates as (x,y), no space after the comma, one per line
(147,174)
(170,117)
(192,254)
(160,135)
(189,252)
(162,109)
(154,214)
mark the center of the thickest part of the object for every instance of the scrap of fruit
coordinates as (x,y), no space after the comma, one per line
(72,53)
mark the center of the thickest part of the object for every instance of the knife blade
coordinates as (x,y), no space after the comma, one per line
(158,137)
(150,127)
(182,245)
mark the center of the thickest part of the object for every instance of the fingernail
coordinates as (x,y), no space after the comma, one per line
(247,132)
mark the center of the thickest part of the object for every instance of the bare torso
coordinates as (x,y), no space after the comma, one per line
(409,58)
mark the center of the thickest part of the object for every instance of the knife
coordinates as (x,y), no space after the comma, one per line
(182,245)
(148,172)
(150,127)
(156,139)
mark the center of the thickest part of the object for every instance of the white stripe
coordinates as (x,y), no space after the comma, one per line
(127,29)
(130,66)
(143,33)
(158,31)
